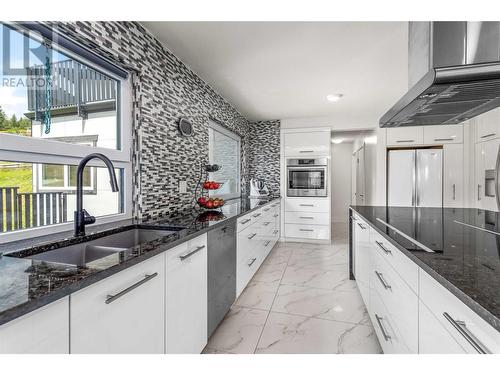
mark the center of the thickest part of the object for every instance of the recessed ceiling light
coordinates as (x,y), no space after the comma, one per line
(337,140)
(334,97)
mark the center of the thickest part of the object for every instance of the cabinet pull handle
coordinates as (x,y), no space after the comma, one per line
(442,139)
(276,215)
(113,297)
(454,191)
(461,327)
(266,209)
(246,221)
(183,257)
(252,236)
(478,192)
(276,232)
(361,226)
(405,140)
(305,151)
(252,262)
(267,243)
(306,230)
(306,205)
(488,135)
(384,333)
(266,223)
(256,215)
(306,217)
(382,280)
(384,249)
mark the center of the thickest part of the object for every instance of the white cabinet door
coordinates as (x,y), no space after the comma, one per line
(433,338)
(307,144)
(362,248)
(453,179)
(485,164)
(187,285)
(123,313)
(405,136)
(443,134)
(43,331)
(488,125)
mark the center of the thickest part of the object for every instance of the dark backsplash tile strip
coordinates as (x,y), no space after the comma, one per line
(265,155)
(164,89)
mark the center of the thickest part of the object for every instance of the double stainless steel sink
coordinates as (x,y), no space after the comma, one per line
(87,252)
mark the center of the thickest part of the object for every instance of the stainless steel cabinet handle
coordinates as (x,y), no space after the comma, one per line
(276,232)
(113,297)
(361,226)
(382,329)
(306,205)
(442,139)
(461,327)
(382,280)
(246,221)
(252,236)
(276,215)
(454,191)
(256,215)
(184,257)
(266,209)
(306,217)
(252,262)
(478,192)
(306,230)
(305,151)
(266,223)
(384,249)
(488,135)
(267,243)
(405,140)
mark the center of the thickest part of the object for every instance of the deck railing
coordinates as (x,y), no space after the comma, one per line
(73,85)
(28,210)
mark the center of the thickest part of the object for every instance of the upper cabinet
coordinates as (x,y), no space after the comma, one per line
(306,144)
(442,134)
(405,136)
(488,126)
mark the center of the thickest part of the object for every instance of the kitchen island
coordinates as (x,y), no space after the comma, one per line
(433,255)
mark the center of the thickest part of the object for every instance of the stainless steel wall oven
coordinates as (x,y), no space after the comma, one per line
(307,177)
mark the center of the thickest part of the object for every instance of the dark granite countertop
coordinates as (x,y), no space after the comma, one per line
(463,259)
(26,284)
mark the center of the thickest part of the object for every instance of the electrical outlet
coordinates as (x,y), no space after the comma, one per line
(182,187)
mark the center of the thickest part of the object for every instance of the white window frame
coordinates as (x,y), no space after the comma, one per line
(15,148)
(218,128)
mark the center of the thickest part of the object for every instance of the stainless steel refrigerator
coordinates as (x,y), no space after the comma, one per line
(415,178)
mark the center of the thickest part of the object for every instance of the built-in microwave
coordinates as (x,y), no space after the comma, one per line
(307,177)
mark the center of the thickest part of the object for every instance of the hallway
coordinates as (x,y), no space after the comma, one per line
(299,301)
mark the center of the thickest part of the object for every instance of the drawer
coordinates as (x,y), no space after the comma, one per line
(248,241)
(316,232)
(245,270)
(245,221)
(387,332)
(433,338)
(401,302)
(441,134)
(307,205)
(404,136)
(458,319)
(316,218)
(404,266)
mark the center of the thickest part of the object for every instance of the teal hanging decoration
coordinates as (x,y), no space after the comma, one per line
(48,93)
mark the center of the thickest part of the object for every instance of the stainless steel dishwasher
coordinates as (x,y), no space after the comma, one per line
(221,273)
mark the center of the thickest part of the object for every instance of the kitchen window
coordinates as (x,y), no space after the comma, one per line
(57,106)
(224,150)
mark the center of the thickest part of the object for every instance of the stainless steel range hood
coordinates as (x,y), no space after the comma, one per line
(454,74)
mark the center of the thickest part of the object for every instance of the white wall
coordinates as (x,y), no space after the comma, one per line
(334,123)
(341,181)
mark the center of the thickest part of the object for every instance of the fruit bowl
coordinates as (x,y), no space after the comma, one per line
(211,185)
(210,203)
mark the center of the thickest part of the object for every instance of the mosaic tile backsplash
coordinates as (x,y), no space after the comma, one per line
(164,89)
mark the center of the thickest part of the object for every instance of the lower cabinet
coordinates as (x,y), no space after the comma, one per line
(123,313)
(43,331)
(361,241)
(187,285)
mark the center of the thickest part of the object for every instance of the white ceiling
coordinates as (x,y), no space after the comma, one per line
(280,70)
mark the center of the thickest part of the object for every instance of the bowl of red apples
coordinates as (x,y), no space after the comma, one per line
(210,203)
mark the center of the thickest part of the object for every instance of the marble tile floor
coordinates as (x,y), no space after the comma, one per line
(299,301)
